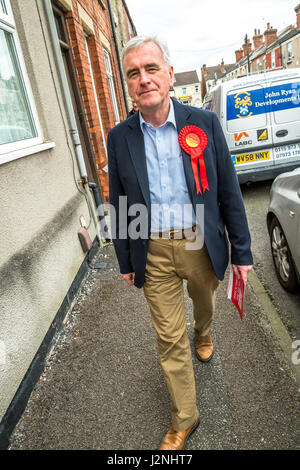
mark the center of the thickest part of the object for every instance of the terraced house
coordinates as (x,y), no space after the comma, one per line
(61,90)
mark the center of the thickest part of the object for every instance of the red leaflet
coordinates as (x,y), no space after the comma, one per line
(236,291)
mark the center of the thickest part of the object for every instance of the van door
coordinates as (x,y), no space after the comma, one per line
(248,126)
(249,131)
(284,96)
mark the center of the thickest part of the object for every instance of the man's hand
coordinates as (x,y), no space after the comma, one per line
(241,271)
(129,278)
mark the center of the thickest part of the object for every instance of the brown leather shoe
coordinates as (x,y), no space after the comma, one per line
(205,350)
(175,440)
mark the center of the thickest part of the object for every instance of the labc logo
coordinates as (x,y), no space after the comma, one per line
(237,137)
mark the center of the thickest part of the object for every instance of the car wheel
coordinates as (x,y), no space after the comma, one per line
(282,258)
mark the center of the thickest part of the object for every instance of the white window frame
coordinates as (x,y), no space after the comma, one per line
(289,52)
(95,91)
(14,150)
(111,85)
(273,59)
(129,29)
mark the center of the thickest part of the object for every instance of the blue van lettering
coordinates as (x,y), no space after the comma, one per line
(273,94)
(263,100)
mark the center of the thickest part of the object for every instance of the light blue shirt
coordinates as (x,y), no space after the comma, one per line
(171,205)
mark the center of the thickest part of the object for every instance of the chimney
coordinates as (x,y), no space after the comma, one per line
(238,55)
(270,35)
(297,10)
(203,82)
(257,39)
(223,66)
(245,48)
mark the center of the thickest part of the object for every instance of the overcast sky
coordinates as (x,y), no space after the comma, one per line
(205,31)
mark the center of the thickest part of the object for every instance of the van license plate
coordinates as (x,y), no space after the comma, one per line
(252,157)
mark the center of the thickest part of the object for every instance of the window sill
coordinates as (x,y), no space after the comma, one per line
(10,156)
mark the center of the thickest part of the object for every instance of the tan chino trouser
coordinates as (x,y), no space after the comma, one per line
(168,263)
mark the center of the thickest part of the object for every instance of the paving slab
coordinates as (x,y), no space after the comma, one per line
(103,388)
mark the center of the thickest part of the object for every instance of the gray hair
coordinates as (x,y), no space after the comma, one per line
(138,41)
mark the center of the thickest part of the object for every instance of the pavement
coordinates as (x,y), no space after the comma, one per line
(103,389)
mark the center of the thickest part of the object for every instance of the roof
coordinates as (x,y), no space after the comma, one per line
(186,78)
(260,78)
(261,50)
(284,37)
(215,72)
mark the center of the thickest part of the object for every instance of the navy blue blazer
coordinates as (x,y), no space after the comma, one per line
(223,203)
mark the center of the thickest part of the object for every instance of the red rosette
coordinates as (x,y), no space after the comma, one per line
(193,141)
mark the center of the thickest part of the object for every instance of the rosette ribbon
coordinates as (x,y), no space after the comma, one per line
(193,141)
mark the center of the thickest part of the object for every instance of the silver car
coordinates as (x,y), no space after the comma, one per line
(283,220)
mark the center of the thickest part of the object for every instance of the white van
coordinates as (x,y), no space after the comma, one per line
(260,117)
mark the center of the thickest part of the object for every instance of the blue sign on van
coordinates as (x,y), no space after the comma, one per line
(263,100)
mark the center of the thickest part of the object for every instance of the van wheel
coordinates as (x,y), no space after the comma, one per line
(282,258)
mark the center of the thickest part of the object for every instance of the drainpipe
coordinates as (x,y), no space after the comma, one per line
(69,107)
(66,92)
(100,212)
(118,55)
(129,16)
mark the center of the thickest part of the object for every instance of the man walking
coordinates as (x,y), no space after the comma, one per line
(168,156)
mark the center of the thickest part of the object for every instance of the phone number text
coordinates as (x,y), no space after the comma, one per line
(292,150)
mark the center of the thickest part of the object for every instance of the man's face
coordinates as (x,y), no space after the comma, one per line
(148,77)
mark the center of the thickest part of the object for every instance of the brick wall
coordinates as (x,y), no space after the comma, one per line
(122,32)
(92,17)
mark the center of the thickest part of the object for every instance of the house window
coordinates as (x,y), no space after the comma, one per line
(289,52)
(19,127)
(95,92)
(129,30)
(111,85)
(273,63)
(264,63)
(196,88)
(184,91)
(3,8)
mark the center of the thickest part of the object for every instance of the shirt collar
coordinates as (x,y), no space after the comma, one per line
(170,118)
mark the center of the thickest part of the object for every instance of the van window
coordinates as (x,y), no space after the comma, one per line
(217,102)
(212,102)
(285,100)
(246,109)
